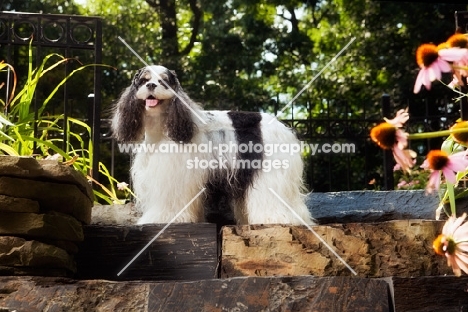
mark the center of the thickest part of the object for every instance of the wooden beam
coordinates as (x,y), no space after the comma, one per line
(299,293)
(182,252)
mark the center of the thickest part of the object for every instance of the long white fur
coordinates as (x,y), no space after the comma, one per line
(163,184)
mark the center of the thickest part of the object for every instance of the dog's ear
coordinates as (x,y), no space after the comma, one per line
(136,78)
(127,123)
(173,81)
(180,126)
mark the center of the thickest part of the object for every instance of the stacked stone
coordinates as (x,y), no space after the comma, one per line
(43,206)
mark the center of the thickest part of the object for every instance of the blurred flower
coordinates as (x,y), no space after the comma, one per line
(460,137)
(405,158)
(122,186)
(56,157)
(401,184)
(437,161)
(455,83)
(433,62)
(453,244)
(400,119)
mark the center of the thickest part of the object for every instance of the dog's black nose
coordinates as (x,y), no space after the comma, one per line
(151,86)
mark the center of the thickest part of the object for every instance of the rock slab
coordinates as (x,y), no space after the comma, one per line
(18,252)
(47,225)
(43,206)
(371,206)
(44,170)
(395,248)
(51,196)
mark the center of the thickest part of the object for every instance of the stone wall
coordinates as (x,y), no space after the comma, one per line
(43,206)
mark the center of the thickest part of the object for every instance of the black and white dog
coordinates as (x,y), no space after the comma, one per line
(243,160)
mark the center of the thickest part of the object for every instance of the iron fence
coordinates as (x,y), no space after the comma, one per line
(74,37)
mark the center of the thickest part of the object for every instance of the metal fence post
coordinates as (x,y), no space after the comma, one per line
(463,104)
(388,162)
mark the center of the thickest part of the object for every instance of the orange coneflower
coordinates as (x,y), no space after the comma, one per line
(458,41)
(453,244)
(433,62)
(461,137)
(439,161)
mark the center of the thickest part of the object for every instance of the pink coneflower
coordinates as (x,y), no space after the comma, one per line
(389,136)
(453,244)
(437,161)
(433,62)
(460,41)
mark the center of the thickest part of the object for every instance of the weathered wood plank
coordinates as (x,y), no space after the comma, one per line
(182,252)
(431,293)
(394,248)
(301,293)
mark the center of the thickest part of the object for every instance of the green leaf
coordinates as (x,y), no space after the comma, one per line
(8,150)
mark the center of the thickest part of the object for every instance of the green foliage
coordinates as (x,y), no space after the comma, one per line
(415,180)
(23,122)
(25,131)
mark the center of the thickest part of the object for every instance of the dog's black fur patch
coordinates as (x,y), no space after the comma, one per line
(130,127)
(221,194)
(179,126)
(247,126)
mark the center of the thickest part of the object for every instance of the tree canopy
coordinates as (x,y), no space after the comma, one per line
(257,55)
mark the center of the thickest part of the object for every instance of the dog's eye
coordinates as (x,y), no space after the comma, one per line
(143,81)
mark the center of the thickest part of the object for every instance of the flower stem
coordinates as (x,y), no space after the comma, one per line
(435,134)
(451,195)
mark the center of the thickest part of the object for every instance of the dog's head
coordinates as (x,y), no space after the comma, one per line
(154,84)
(155,92)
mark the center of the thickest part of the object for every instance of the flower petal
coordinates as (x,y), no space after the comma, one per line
(463,246)
(452,225)
(419,82)
(452,54)
(434,182)
(426,81)
(433,72)
(449,175)
(462,260)
(404,158)
(443,66)
(461,233)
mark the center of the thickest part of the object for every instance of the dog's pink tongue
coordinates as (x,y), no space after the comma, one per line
(152,102)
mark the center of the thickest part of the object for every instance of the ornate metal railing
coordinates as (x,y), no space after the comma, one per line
(69,35)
